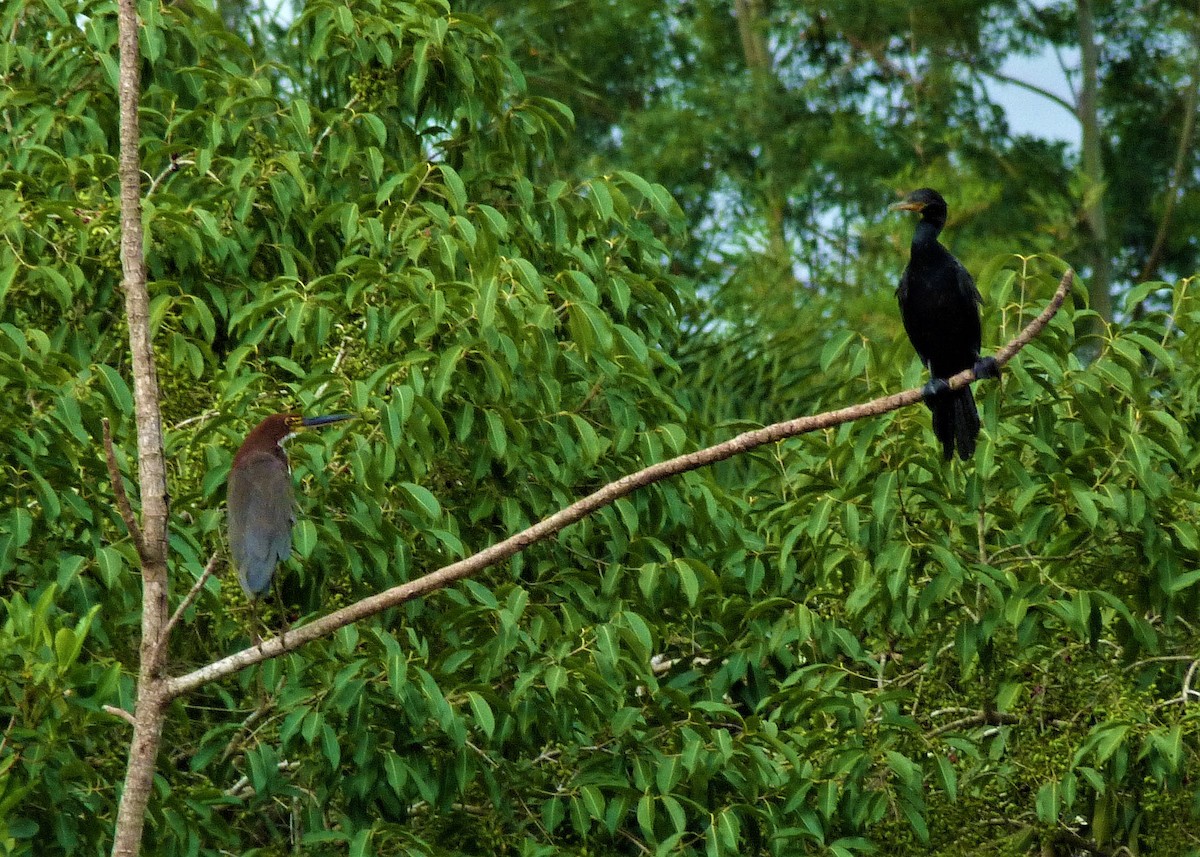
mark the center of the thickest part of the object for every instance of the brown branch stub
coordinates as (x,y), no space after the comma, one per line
(118,486)
(502,550)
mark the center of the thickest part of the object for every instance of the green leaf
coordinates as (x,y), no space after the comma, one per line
(497,437)
(601,199)
(729,828)
(109,562)
(397,773)
(1048,803)
(1110,737)
(424,499)
(645,815)
(947,775)
(447,362)
(361,844)
(638,183)
(553,812)
(827,799)
(66,647)
(688,582)
(836,347)
(456,190)
(1183,581)
(330,746)
(556,679)
(393,423)
(118,390)
(667,774)
(304,537)
(321,837)
(375,125)
(487,302)
(907,770)
(1086,505)
(916,818)
(593,801)
(483,713)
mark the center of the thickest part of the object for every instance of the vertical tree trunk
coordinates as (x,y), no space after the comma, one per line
(1093,165)
(750,16)
(139,773)
(1180,171)
(151,698)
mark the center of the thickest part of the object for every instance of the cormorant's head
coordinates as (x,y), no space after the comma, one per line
(928,202)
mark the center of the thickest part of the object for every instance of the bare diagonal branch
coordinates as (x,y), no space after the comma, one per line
(188,600)
(326,625)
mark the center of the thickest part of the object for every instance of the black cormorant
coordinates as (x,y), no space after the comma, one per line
(939,305)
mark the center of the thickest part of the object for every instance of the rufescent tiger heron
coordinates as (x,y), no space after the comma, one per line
(939,306)
(260,500)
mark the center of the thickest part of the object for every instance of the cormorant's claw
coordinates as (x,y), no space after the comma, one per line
(985,367)
(935,388)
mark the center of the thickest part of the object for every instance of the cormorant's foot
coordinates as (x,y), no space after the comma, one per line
(986,367)
(935,388)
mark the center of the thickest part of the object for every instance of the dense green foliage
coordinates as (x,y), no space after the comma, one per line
(831,646)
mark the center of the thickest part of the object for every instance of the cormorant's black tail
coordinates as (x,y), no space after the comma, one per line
(955,422)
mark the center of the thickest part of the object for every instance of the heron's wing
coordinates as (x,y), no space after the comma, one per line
(260,519)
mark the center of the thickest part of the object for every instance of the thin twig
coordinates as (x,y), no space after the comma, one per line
(958,709)
(247,727)
(203,415)
(118,486)
(242,787)
(188,599)
(983,718)
(1158,659)
(119,712)
(580,509)
(329,128)
(637,843)
(1035,89)
(333,370)
(980,533)
(1075,841)
(1187,682)
(12,721)
(172,167)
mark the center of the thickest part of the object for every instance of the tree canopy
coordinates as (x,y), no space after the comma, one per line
(534,247)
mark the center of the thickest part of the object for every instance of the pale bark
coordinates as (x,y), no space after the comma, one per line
(149,712)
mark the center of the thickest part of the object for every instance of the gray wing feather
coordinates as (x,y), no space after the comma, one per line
(261,514)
